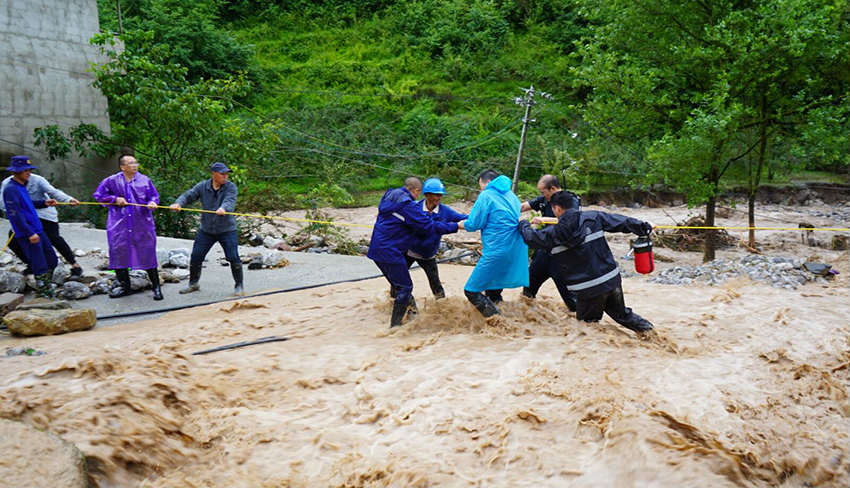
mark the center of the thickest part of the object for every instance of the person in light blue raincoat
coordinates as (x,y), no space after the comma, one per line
(504,255)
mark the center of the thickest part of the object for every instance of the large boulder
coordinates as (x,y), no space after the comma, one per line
(75,291)
(35,458)
(179,257)
(12,282)
(275,259)
(60,274)
(39,322)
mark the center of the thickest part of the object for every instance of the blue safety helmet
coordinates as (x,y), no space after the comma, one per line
(434,185)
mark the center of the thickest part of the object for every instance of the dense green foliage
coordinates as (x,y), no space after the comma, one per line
(360,93)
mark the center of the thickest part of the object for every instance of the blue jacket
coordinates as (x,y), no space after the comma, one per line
(425,246)
(578,244)
(20,210)
(399,218)
(504,255)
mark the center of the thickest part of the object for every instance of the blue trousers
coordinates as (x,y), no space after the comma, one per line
(205,241)
(399,277)
(40,256)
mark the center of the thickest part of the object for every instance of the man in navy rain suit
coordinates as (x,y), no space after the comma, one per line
(33,241)
(423,249)
(400,217)
(577,242)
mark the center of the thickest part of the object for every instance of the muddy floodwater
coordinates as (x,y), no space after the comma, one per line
(744,385)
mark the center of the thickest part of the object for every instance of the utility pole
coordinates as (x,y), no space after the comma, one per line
(527,101)
(120,23)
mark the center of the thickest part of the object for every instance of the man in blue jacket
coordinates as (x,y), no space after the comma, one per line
(423,249)
(33,241)
(400,216)
(504,256)
(218,195)
(578,244)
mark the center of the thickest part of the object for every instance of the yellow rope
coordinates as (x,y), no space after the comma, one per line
(293,219)
(835,229)
(12,236)
(256,216)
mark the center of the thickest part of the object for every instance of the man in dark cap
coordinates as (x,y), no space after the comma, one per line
(20,209)
(41,189)
(218,197)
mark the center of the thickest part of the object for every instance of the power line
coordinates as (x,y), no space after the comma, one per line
(21,61)
(392,95)
(57,159)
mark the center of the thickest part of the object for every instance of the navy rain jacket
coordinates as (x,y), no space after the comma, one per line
(425,246)
(577,242)
(400,217)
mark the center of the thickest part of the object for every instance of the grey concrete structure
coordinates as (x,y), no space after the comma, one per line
(44,54)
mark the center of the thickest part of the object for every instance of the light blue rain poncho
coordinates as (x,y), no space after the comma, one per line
(504,260)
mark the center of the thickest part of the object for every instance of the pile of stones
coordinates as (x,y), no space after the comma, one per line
(779,272)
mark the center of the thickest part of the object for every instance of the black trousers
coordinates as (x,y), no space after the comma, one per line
(429,266)
(612,303)
(543,266)
(51,229)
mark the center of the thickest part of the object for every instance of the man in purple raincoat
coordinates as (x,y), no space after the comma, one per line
(130,229)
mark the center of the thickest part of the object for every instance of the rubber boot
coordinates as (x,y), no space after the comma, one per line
(495,296)
(155,286)
(482,304)
(43,286)
(412,311)
(236,271)
(194,278)
(123,288)
(399,310)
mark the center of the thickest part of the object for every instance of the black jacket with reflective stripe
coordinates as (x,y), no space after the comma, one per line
(577,242)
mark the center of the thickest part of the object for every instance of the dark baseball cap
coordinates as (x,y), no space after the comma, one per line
(219,167)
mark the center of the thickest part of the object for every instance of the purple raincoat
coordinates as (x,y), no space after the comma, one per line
(130,230)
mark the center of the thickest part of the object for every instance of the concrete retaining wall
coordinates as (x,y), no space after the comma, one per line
(44,54)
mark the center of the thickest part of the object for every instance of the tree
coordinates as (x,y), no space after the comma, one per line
(175,127)
(693,79)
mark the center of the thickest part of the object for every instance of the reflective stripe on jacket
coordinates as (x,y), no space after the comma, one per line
(399,218)
(577,242)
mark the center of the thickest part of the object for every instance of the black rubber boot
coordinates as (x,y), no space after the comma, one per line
(123,288)
(399,310)
(412,311)
(194,278)
(155,285)
(482,304)
(236,271)
(494,296)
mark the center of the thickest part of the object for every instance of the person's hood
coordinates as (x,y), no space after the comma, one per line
(501,184)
